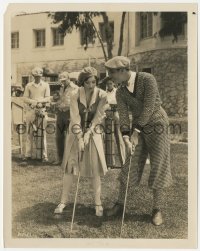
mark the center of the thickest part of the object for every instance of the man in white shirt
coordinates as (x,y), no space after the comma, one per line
(111,92)
(63,112)
(112,122)
(36,95)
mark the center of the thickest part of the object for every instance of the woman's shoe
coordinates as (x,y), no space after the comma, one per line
(157,218)
(99,210)
(59,209)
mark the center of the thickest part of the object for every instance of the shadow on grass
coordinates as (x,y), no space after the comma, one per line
(15,158)
(43,213)
(130,216)
(138,218)
(31,162)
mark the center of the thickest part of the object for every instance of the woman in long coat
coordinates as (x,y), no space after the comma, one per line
(84,151)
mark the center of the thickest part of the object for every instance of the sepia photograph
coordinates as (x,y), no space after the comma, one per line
(98,110)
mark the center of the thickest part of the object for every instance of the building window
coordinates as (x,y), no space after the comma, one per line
(167,32)
(25,80)
(102,31)
(50,77)
(148,70)
(146,24)
(40,38)
(53,79)
(15,40)
(58,38)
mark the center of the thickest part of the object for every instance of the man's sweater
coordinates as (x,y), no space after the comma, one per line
(144,103)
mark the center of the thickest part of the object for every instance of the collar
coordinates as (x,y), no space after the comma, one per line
(72,85)
(37,85)
(83,96)
(131,80)
(113,90)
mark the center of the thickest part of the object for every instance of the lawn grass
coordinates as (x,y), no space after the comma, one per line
(37,188)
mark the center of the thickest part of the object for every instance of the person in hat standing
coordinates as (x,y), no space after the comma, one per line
(84,151)
(112,132)
(138,94)
(63,112)
(35,95)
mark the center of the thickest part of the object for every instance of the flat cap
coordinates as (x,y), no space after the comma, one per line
(86,73)
(37,71)
(63,76)
(118,62)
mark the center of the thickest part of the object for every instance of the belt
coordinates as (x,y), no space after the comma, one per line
(62,110)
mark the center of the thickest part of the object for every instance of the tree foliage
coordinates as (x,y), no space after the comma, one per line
(172,24)
(83,21)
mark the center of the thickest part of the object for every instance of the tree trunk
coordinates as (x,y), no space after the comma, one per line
(108,33)
(100,40)
(121,39)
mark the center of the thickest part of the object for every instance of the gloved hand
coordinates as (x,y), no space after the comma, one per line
(81,145)
(86,137)
(39,105)
(56,96)
(33,103)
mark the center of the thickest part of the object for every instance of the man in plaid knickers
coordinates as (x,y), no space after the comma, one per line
(138,94)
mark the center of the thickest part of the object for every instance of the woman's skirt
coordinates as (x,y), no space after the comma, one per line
(88,162)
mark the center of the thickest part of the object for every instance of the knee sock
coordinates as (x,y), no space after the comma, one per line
(158,197)
(96,183)
(67,184)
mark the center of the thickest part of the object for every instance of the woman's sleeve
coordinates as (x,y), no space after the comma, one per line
(122,109)
(75,119)
(100,112)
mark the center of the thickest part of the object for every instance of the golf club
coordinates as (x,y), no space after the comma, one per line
(126,193)
(77,186)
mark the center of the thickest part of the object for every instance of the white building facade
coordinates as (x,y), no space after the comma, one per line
(35,41)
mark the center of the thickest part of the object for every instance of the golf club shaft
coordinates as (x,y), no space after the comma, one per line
(125,196)
(73,214)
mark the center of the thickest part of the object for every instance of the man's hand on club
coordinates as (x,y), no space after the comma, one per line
(130,148)
(134,137)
